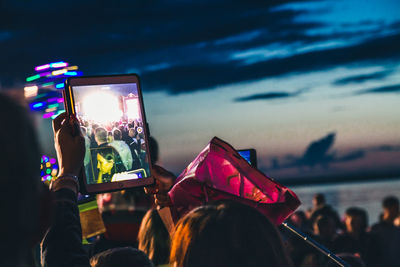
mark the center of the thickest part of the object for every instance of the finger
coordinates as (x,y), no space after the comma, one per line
(150,190)
(58,121)
(162,197)
(74,123)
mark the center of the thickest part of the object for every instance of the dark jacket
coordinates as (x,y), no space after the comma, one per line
(62,244)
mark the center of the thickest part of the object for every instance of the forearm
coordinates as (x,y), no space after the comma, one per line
(62,244)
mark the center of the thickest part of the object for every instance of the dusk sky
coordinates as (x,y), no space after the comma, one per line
(313,86)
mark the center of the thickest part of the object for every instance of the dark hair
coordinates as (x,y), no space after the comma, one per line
(390,201)
(319,198)
(227,234)
(121,257)
(19,179)
(117,134)
(154,150)
(360,213)
(101,134)
(154,238)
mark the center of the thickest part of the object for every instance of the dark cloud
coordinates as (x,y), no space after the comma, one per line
(193,41)
(319,153)
(180,79)
(364,77)
(266,96)
(383,89)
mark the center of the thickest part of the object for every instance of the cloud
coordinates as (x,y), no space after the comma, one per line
(265,96)
(192,77)
(363,77)
(188,48)
(319,153)
(383,89)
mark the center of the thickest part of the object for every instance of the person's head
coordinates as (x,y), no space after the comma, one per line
(154,150)
(100,135)
(396,221)
(121,257)
(298,218)
(356,220)
(318,200)
(132,132)
(324,227)
(21,192)
(117,134)
(226,234)
(390,206)
(154,238)
(83,130)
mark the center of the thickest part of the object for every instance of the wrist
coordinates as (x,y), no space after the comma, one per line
(68,171)
(68,181)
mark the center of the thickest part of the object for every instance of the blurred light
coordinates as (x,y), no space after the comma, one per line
(42,67)
(58,113)
(30,91)
(48,84)
(52,106)
(48,115)
(48,164)
(70,73)
(48,171)
(42,173)
(60,100)
(55,166)
(50,109)
(37,105)
(34,77)
(60,85)
(48,177)
(72,68)
(60,64)
(58,72)
(45,74)
(52,161)
(42,95)
(54,172)
(41,166)
(53,99)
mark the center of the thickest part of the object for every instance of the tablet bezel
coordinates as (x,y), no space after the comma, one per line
(70,109)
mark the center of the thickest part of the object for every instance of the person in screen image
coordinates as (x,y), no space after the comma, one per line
(122,148)
(106,161)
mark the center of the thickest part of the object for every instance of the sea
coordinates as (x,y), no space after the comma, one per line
(367,195)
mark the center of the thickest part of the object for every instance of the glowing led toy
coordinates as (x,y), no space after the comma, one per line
(43,88)
(48,169)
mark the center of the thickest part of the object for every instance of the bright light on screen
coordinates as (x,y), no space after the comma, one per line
(132,108)
(101,107)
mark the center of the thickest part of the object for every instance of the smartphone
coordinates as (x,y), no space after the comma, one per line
(112,120)
(250,155)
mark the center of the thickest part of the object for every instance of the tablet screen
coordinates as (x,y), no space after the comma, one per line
(112,124)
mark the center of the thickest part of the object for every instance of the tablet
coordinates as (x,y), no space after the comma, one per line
(112,120)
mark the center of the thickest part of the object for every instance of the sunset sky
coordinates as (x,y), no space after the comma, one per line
(313,86)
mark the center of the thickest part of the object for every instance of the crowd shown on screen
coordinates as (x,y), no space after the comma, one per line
(126,141)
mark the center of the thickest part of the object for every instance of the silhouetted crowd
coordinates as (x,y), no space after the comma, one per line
(352,237)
